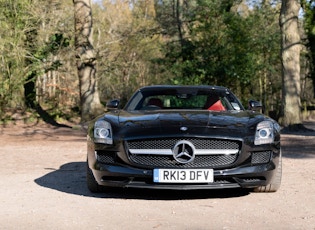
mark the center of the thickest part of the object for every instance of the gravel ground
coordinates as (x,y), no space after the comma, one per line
(43,187)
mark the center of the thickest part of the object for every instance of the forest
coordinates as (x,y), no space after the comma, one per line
(232,43)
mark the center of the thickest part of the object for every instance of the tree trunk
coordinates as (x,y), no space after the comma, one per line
(290,55)
(86,62)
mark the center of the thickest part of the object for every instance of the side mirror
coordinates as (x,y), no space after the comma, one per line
(255,105)
(113,104)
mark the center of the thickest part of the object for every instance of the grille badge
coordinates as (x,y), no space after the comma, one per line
(183,128)
(184,152)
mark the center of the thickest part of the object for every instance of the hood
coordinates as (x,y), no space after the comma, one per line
(187,123)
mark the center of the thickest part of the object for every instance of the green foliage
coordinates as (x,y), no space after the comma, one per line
(126,41)
(12,14)
(29,52)
(223,46)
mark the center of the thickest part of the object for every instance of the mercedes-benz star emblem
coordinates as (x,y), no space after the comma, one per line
(184,152)
(183,128)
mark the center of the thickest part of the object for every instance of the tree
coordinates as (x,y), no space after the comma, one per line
(309,26)
(13,24)
(30,54)
(86,61)
(290,55)
(264,60)
(224,43)
(126,40)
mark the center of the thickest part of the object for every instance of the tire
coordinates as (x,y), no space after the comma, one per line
(276,182)
(92,185)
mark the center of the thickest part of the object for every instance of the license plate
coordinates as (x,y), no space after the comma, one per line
(183,175)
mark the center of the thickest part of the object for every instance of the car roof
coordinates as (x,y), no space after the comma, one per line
(183,87)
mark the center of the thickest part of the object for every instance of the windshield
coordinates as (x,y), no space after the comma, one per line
(215,100)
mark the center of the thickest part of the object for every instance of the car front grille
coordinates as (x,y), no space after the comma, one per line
(212,153)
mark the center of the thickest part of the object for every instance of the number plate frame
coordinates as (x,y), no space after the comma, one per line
(183,176)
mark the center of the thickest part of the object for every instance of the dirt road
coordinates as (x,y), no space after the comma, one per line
(43,187)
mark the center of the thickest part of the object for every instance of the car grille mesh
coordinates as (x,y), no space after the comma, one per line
(261,157)
(105,157)
(198,143)
(199,161)
(168,161)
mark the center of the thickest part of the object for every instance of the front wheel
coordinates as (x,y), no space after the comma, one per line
(276,182)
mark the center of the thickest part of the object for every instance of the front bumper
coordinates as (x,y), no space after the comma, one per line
(129,177)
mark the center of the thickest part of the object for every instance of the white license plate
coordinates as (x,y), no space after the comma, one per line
(183,175)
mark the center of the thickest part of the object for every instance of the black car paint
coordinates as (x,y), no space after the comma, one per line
(130,127)
(142,124)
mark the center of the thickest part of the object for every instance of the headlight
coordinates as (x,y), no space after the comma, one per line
(264,133)
(103,132)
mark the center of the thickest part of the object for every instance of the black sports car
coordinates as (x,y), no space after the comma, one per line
(184,137)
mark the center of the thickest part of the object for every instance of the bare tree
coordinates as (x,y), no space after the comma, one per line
(290,55)
(86,61)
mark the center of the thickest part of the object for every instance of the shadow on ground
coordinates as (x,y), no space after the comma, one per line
(70,178)
(297,147)
(299,144)
(48,118)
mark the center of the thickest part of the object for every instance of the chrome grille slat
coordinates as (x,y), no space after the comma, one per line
(169,151)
